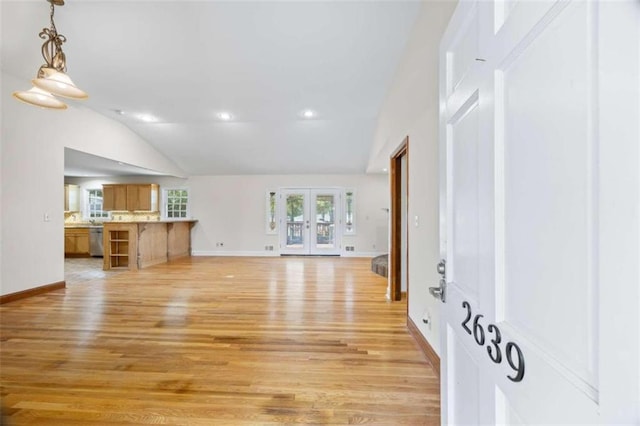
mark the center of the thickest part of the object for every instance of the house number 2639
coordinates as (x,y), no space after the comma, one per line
(493,348)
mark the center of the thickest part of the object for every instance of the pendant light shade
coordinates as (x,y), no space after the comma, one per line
(58,83)
(38,97)
(52,78)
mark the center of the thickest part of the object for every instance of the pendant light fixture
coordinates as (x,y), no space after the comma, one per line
(51,79)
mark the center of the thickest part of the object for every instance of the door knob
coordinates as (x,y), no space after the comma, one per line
(440,292)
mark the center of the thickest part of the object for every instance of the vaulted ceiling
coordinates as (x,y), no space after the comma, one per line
(264,62)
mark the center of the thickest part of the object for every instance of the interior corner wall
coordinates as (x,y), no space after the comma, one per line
(232,210)
(32,176)
(1,149)
(411,109)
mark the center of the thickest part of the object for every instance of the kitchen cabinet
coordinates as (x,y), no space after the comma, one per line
(71,198)
(76,242)
(138,245)
(140,197)
(118,251)
(114,197)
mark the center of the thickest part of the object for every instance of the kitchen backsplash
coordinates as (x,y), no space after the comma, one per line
(127,216)
(71,218)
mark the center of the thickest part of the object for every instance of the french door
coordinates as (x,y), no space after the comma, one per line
(540,180)
(310,221)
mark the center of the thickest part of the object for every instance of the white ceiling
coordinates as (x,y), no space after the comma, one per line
(264,62)
(81,164)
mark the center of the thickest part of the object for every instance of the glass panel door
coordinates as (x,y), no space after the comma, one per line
(309,221)
(325,205)
(294,235)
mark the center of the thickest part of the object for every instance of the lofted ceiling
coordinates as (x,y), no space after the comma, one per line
(81,164)
(264,62)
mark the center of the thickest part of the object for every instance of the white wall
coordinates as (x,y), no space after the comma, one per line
(1,138)
(32,167)
(232,210)
(411,108)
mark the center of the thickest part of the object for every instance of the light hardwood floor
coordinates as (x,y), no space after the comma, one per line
(217,341)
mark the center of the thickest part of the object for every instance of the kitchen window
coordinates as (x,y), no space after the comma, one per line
(94,204)
(176,203)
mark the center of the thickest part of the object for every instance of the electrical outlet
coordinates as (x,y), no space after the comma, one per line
(426,318)
(46,217)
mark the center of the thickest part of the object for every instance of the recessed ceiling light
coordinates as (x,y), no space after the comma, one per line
(307,113)
(225,116)
(147,118)
(385,170)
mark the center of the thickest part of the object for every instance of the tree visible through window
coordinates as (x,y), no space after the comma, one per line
(177,203)
(272,211)
(349,212)
(94,204)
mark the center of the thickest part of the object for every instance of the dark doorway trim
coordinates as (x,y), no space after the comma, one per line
(395,256)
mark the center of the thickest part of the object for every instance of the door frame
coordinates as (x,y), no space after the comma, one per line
(395,254)
(310,243)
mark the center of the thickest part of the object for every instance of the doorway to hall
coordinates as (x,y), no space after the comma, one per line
(310,221)
(399,253)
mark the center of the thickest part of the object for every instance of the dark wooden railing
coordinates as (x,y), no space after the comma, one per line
(324,232)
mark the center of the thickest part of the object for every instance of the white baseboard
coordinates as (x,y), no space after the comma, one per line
(235,253)
(273,253)
(363,253)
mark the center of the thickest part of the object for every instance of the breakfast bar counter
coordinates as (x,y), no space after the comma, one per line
(137,245)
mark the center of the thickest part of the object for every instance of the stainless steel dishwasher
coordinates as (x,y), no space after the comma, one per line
(95,241)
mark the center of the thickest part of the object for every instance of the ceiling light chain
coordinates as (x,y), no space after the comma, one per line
(51,78)
(52,48)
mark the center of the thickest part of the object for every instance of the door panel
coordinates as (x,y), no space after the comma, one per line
(324,213)
(530,324)
(464,406)
(463,146)
(462,53)
(310,219)
(548,158)
(295,218)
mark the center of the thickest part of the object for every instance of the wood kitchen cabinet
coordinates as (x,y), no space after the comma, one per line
(120,197)
(114,197)
(137,245)
(76,242)
(71,198)
(142,197)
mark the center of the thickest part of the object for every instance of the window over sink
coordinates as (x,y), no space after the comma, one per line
(94,204)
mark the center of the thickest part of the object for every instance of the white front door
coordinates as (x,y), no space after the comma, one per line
(310,221)
(540,165)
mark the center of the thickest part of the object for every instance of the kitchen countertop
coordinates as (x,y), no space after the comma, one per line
(125,222)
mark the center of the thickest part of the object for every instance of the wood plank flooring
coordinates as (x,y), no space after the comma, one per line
(209,341)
